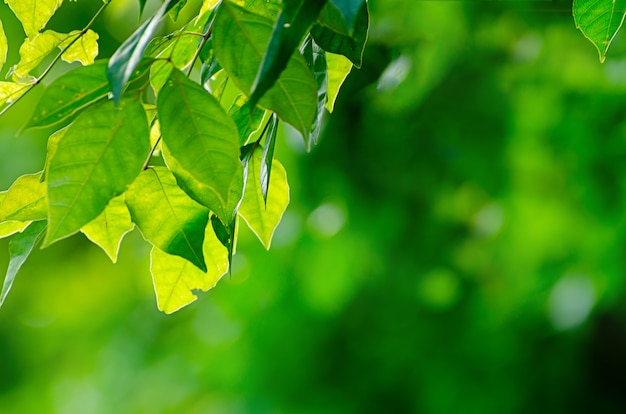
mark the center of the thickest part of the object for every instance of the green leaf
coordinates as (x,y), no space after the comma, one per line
(203,194)
(239,39)
(110,227)
(126,58)
(10,91)
(53,144)
(98,157)
(293,23)
(175,279)
(316,59)
(248,120)
(142,5)
(8,228)
(599,20)
(33,14)
(166,216)
(349,10)
(269,9)
(350,46)
(200,135)
(268,157)
(4,46)
(207,5)
(84,50)
(19,250)
(25,200)
(338,69)
(69,94)
(263,218)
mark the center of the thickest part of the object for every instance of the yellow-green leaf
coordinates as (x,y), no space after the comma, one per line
(4,46)
(84,50)
(261,218)
(175,278)
(33,14)
(110,227)
(339,68)
(206,6)
(34,50)
(25,200)
(10,91)
(9,228)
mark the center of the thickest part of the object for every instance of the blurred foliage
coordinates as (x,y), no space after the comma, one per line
(454,244)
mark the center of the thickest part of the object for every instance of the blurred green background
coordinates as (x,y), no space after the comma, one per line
(455,243)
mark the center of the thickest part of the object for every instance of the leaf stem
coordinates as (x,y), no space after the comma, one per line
(38,80)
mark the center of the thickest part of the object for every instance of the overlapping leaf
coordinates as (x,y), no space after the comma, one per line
(33,14)
(4,46)
(166,216)
(25,200)
(599,20)
(240,39)
(96,159)
(316,59)
(109,228)
(338,69)
(175,279)
(9,228)
(248,120)
(349,10)
(201,137)
(261,217)
(19,249)
(10,91)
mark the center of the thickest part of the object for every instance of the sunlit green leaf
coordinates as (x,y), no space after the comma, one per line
(70,93)
(9,228)
(19,249)
(166,216)
(25,200)
(268,157)
(83,50)
(207,5)
(267,8)
(351,46)
(10,91)
(4,46)
(599,20)
(248,121)
(339,68)
(292,24)
(175,279)
(97,158)
(263,218)
(129,54)
(51,149)
(34,50)
(108,229)
(33,14)
(240,39)
(200,135)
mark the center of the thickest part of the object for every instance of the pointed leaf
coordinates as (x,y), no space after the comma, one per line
(204,194)
(268,157)
(25,200)
(53,144)
(70,93)
(261,218)
(599,20)
(129,54)
(316,59)
(240,39)
(98,157)
(142,5)
(293,23)
(339,68)
(349,10)
(351,46)
(110,227)
(8,228)
(166,216)
(33,14)
(4,46)
(19,250)
(175,279)
(248,120)
(200,135)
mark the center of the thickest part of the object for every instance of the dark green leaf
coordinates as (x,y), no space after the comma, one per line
(200,136)
(142,5)
(248,120)
(293,22)
(175,10)
(25,200)
(349,46)
(349,10)
(19,249)
(316,59)
(126,58)
(166,216)
(239,39)
(268,157)
(96,159)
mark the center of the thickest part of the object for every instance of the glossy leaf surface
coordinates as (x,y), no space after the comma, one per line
(599,20)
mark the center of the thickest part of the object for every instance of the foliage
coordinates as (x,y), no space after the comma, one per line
(159,99)
(150,126)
